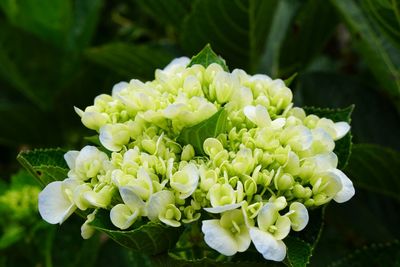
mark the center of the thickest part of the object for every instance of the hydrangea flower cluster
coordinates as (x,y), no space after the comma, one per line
(253,184)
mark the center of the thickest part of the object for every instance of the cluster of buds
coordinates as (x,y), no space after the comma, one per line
(256,179)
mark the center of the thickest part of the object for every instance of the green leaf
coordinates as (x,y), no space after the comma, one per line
(237,29)
(290,80)
(206,57)
(197,134)
(170,13)
(375,169)
(342,146)
(130,61)
(381,254)
(381,55)
(46,165)
(145,237)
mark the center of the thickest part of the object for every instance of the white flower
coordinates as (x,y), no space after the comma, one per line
(85,164)
(272,228)
(55,201)
(299,137)
(326,164)
(185,181)
(228,235)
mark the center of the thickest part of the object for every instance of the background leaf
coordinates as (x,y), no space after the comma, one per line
(237,29)
(171,13)
(380,54)
(376,169)
(129,60)
(387,254)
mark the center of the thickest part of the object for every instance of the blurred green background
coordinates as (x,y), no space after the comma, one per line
(56,54)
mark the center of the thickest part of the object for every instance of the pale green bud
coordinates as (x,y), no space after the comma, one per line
(259,84)
(311,121)
(192,86)
(221,194)
(187,153)
(101,198)
(78,198)
(244,162)
(280,96)
(171,216)
(212,146)
(211,71)
(284,181)
(87,231)
(92,118)
(250,187)
(207,178)
(190,215)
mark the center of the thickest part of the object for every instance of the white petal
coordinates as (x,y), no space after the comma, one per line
(326,161)
(220,209)
(347,190)
(283,227)
(250,113)
(177,62)
(243,239)
(278,123)
(300,216)
(157,203)
(133,201)
(79,111)
(267,245)
(70,158)
(118,88)
(258,115)
(267,216)
(341,128)
(122,217)
(106,138)
(219,238)
(54,207)
(305,138)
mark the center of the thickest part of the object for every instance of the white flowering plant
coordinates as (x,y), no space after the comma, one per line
(201,157)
